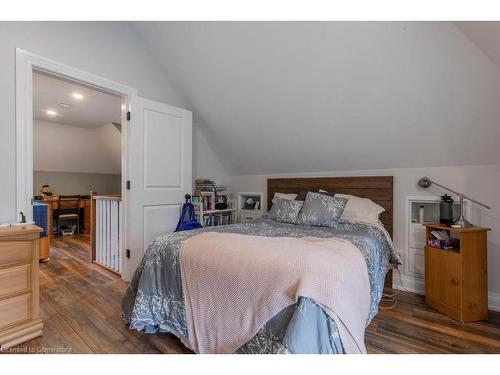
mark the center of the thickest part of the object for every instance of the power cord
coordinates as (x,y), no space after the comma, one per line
(391,297)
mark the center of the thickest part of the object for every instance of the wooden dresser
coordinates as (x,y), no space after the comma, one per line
(456,280)
(19,294)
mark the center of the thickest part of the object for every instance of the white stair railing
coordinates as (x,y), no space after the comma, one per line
(107,232)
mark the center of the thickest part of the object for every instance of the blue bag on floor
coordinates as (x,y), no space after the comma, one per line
(187,221)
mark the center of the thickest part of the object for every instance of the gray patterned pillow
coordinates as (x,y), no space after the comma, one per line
(321,210)
(285,211)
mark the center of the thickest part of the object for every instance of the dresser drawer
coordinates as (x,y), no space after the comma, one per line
(15,310)
(15,252)
(15,279)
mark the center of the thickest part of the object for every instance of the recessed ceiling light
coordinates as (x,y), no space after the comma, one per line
(50,112)
(77,95)
(65,105)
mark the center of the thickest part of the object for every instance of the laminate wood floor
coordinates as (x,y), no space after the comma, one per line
(80,307)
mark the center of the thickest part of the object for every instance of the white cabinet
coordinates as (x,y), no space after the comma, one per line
(415,262)
(417,235)
(415,231)
(250,206)
(415,254)
(415,239)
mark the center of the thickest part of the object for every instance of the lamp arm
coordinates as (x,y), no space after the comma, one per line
(444,187)
(460,194)
(476,202)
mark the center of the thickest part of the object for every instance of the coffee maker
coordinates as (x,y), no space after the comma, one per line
(446,210)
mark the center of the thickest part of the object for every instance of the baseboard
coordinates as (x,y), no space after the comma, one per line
(494,301)
(416,285)
(20,333)
(408,283)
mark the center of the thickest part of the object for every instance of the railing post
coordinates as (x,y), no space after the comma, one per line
(92,224)
(106,230)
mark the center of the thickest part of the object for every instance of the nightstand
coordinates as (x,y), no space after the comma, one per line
(248,214)
(456,280)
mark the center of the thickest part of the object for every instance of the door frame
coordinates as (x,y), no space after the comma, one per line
(26,64)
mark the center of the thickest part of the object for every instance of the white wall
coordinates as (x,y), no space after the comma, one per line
(68,183)
(64,148)
(480,182)
(205,161)
(108,49)
(75,160)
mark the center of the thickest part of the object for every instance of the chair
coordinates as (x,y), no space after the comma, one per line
(68,208)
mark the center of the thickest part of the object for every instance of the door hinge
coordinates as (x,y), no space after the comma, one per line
(128,253)
(128,116)
(128,184)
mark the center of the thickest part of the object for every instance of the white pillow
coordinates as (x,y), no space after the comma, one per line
(360,209)
(290,197)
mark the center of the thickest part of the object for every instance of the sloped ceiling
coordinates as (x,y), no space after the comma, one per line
(486,35)
(94,108)
(300,96)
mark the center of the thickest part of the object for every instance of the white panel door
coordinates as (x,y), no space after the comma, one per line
(160,172)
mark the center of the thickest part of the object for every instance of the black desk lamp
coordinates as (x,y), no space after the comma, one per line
(425,182)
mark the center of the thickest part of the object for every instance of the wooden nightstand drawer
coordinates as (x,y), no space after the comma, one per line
(15,252)
(15,279)
(15,310)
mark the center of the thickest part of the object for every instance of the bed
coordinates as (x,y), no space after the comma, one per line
(154,301)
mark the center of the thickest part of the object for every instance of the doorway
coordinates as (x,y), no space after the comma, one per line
(156,162)
(29,68)
(77,169)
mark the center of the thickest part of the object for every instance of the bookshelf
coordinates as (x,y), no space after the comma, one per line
(207,194)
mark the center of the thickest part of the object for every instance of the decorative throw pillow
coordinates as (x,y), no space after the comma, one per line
(360,210)
(303,194)
(321,210)
(285,210)
(331,193)
(289,197)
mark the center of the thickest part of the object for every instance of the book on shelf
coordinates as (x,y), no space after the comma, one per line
(215,219)
(207,193)
(208,185)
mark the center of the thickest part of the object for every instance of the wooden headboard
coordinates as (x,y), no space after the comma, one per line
(377,188)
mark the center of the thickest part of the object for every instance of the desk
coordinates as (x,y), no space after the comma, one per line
(85,209)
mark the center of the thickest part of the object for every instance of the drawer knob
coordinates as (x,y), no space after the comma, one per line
(454,281)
